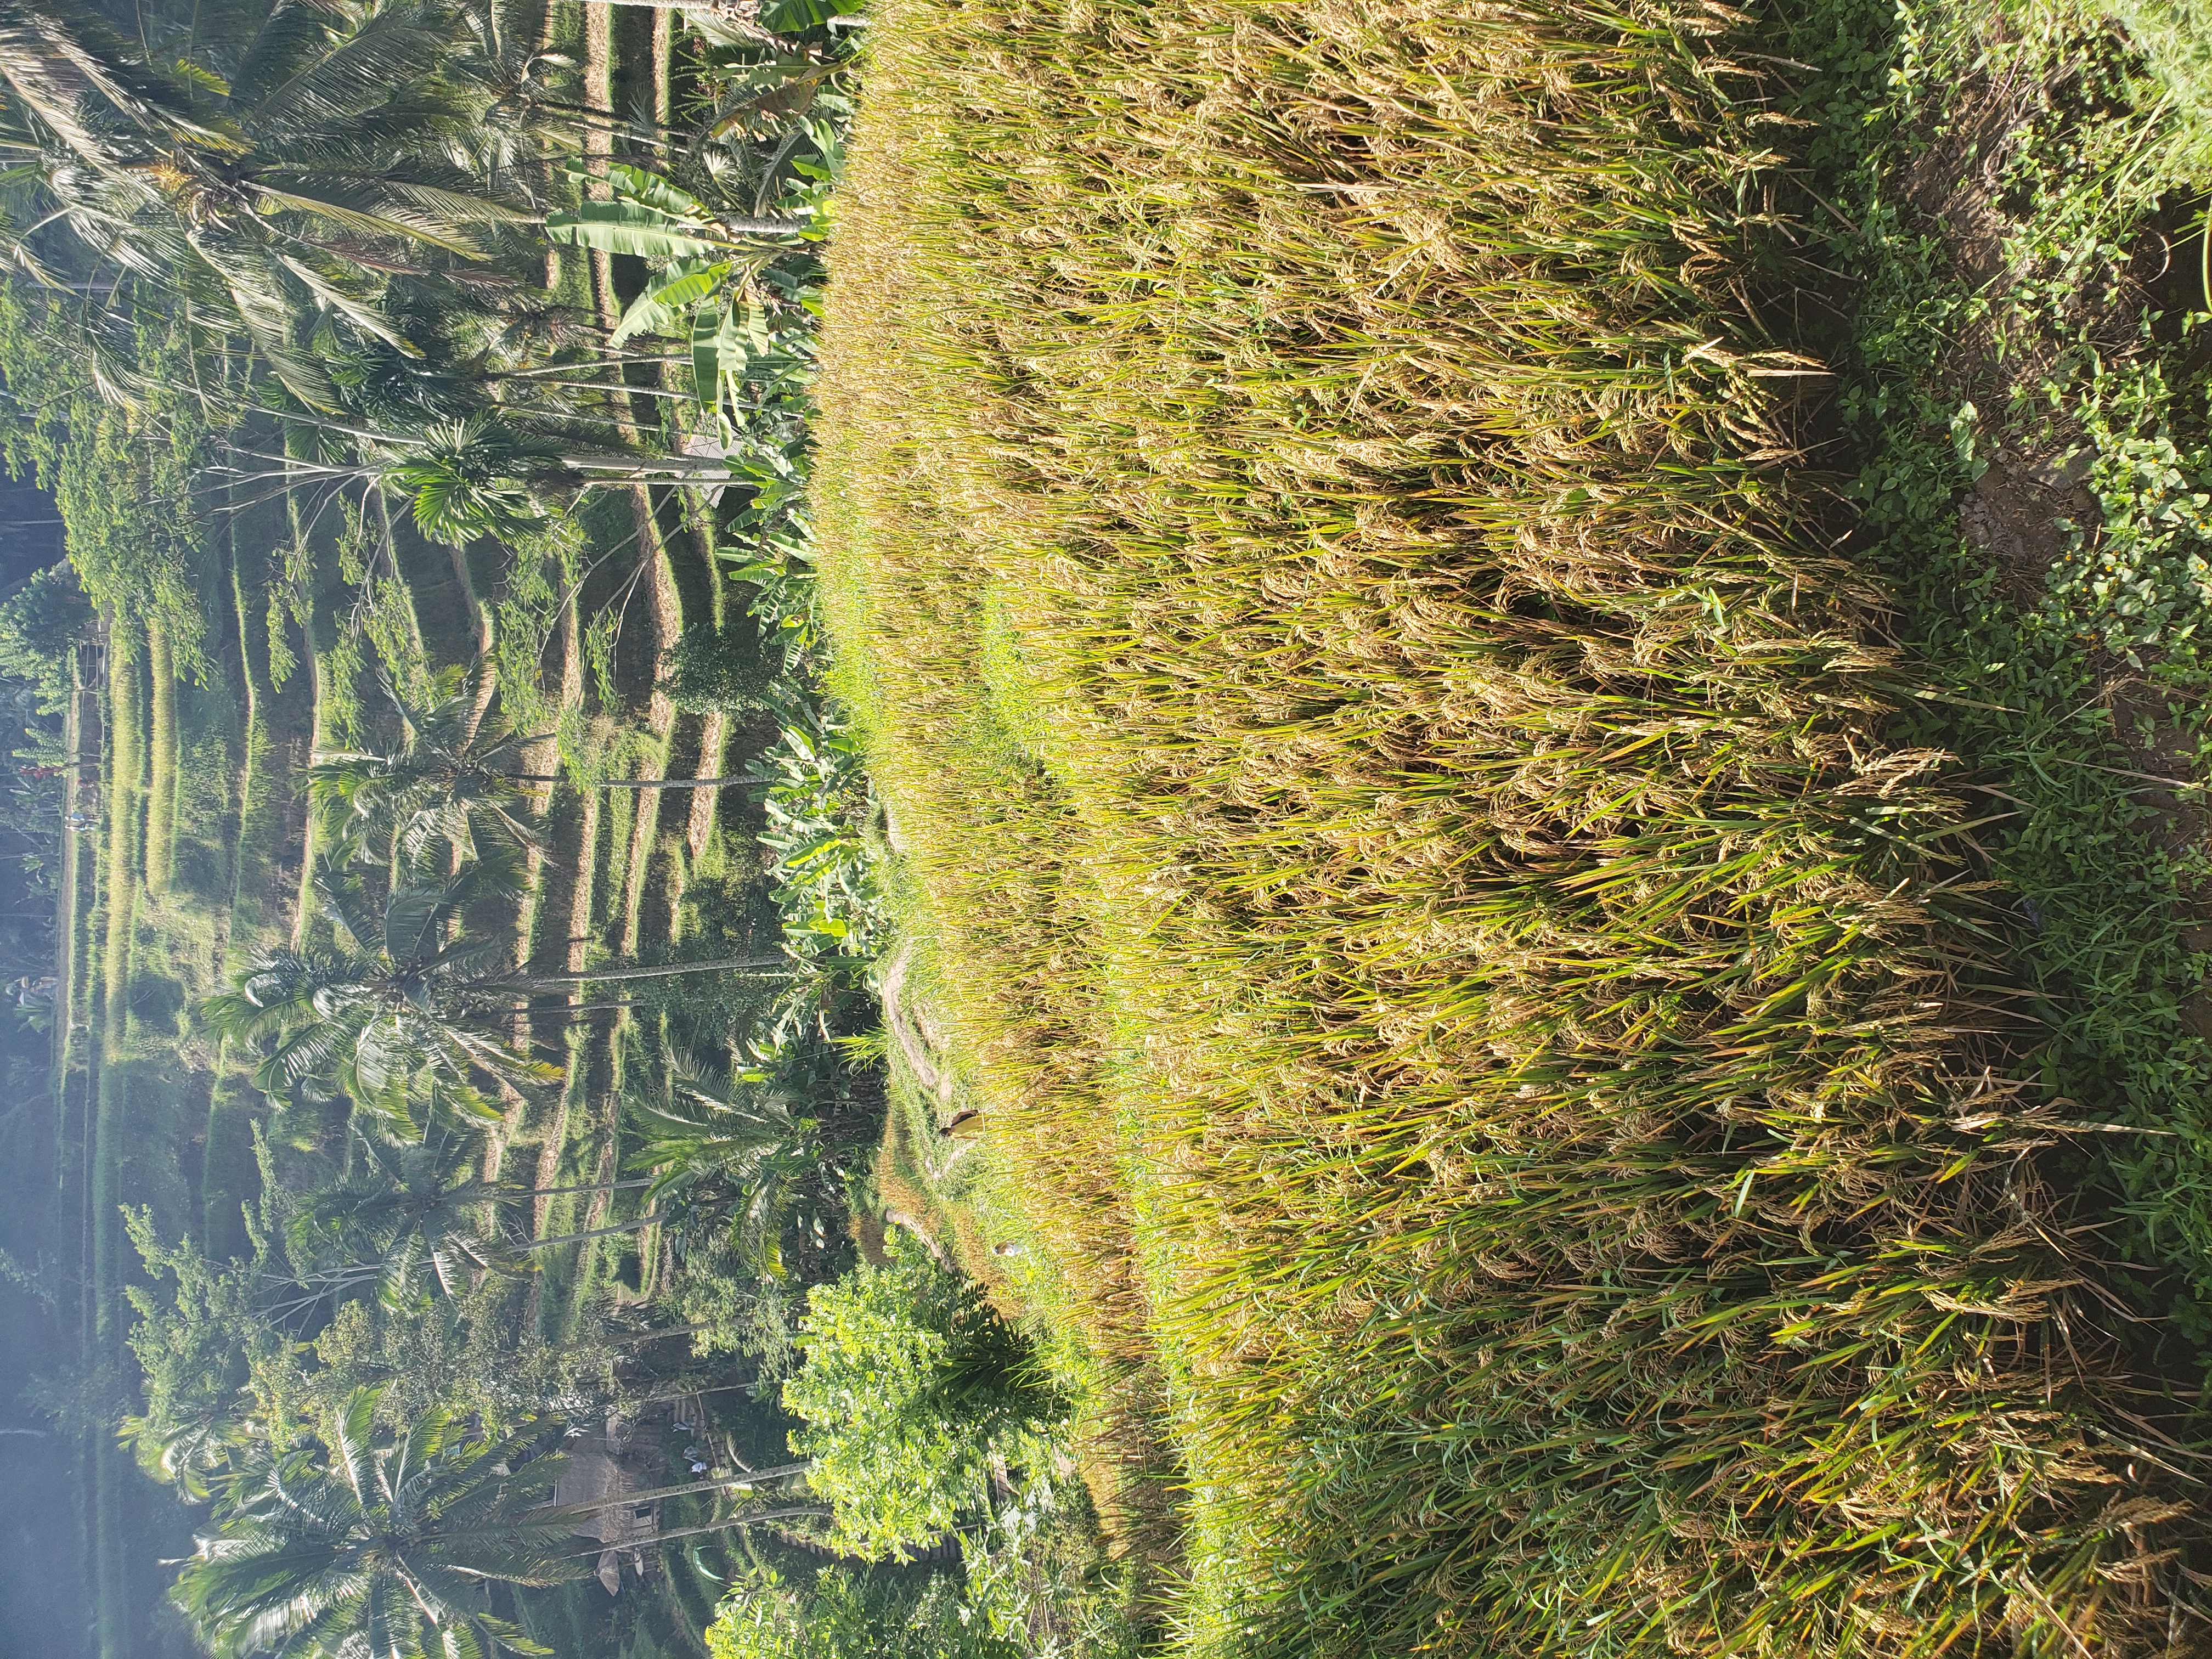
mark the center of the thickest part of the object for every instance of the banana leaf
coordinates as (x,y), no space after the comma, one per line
(627,227)
(682,286)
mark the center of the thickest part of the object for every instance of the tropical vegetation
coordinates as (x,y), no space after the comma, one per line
(994,832)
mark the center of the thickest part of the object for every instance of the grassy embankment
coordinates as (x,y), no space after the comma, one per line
(104,1154)
(2025,399)
(1423,832)
(203,851)
(622,863)
(205,783)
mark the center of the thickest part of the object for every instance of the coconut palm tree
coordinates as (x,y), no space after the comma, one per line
(265,169)
(759,1144)
(405,1012)
(489,473)
(396,1213)
(185,1451)
(382,1548)
(399,1011)
(404,1213)
(453,777)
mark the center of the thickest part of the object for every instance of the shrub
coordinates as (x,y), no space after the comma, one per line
(910,1386)
(852,1615)
(707,671)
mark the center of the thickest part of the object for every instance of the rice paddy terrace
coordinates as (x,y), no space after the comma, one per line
(200,850)
(1559,926)
(1532,679)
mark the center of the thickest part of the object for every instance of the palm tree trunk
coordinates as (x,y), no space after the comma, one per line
(595,1232)
(719,966)
(797,1511)
(637,783)
(614,1500)
(656,469)
(592,111)
(568,1009)
(671,783)
(631,1340)
(616,360)
(556,1192)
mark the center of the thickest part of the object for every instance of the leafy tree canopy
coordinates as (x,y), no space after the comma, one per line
(378,1547)
(406,1015)
(259,171)
(910,1386)
(122,476)
(38,624)
(202,1341)
(846,1615)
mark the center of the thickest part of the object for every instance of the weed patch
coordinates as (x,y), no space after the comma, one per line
(2030,481)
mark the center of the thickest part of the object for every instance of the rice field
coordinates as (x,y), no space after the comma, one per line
(1510,1045)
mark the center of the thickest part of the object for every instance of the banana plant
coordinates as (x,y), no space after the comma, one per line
(722,280)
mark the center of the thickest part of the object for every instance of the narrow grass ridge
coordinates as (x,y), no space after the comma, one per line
(1315,535)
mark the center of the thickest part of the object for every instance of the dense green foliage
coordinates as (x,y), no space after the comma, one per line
(395,1541)
(2070,667)
(848,1615)
(299,325)
(912,1388)
(37,626)
(710,671)
(1576,950)
(200,1341)
(123,477)
(253,173)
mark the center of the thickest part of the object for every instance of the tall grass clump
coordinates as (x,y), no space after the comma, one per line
(1362,679)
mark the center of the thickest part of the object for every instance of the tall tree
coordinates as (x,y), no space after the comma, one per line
(761,1145)
(406,1213)
(399,1012)
(398,1217)
(265,169)
(407,1012)
(455,776)
(384,1550)
(202,1327)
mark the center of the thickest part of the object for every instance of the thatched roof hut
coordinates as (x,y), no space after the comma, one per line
(602,1470)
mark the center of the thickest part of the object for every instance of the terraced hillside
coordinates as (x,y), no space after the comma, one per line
(1542,902)
(203,851)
